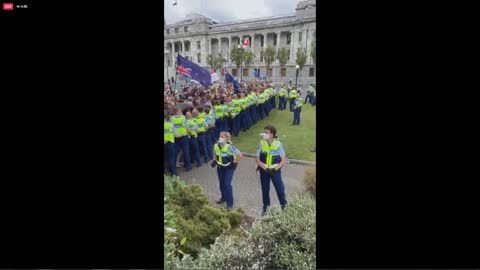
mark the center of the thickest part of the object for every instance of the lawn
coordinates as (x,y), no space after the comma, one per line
(297,140)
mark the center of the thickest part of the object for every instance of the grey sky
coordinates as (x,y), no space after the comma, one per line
(228,10)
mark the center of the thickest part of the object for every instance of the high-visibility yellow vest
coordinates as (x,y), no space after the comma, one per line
(261,98)
(192,122)
(168,132)
(219,111)
(179,123)
(201,124)
(232,111)
(283,92)
(270,154)
(300,104)
(237,105)
(293,93)
(223,155)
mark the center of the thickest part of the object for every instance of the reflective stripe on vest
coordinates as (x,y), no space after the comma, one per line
(270,160)
(179,123)
(219,111)
(201,124)
(191,122)
(293,94)
(236,105)
(168,132)
(300,104)
(223,155)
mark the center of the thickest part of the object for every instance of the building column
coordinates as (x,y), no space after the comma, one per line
(292,46)
(229,50)
(278,39)
(253,44)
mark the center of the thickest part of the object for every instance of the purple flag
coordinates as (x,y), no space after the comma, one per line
(196,72)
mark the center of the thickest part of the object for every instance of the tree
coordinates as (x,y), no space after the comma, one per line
(282,56)
(301,58)
(220,61)
(269,55)
(248,57)
(236,56)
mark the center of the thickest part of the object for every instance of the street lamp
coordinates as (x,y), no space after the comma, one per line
(166,53)
(296,76)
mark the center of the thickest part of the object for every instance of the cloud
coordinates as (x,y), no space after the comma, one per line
(228,10)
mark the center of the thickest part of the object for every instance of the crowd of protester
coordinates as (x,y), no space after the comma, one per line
(195,115)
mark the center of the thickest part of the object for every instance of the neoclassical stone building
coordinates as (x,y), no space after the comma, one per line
(197,36)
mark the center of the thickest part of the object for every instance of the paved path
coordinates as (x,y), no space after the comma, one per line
(247,192)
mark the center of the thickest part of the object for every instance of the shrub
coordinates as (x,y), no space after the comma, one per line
(195,219)
(282,239)
(311,180)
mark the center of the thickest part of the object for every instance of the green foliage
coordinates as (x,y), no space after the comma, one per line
(269,54)
(284,239)
(215,61)
(311,180)
(301,57)
(195,219)
(248,57)
(236,56)
(282,56)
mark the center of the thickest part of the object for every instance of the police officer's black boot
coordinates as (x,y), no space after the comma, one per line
(222,200)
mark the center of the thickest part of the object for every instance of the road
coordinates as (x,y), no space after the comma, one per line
(247,192)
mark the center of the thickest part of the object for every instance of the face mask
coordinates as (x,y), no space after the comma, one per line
(221,140)
(265,136)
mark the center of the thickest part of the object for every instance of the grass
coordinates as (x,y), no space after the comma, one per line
(297,140)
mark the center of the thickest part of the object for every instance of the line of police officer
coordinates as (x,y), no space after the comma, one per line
(197,132)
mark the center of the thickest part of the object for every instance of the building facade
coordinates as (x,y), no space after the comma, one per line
(198,36)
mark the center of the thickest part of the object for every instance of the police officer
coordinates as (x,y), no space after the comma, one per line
(202,131)
(219,121)
(236,119)
(226,157)
(181,142)
(270,159)
(282,98)
(192,129)
(169,133)
(210,133)
(292,95)
(297,109)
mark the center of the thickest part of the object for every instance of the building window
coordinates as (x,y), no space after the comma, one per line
(198,58)
(312,72)
(289,38)
(261,56)
(283,72)
(187,46)
(234,72)
(270,72)
(185,29)
(168,62)
(245,72)
(261,41)
(275,40)
(168,31)
(176,30)
(288,58)
(198,45)
(299,36)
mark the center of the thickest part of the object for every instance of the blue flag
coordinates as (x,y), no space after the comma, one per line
(256,74)
(193,71)
(230,79)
